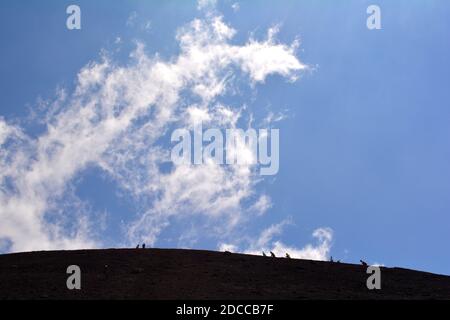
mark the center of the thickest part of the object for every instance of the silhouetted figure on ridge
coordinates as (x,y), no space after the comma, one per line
(264,254)
(288,256)
(272,254)
(137,247)
(363,263)
(143,246)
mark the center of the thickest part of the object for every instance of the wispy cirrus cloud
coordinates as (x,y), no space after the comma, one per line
(115,120)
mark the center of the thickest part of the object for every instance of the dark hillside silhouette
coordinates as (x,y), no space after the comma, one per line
(191,274)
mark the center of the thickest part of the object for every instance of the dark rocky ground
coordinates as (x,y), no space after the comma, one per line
(191,274)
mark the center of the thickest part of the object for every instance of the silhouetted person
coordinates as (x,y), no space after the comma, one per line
(143,246)
(264,254)
(331,259)
(272,254)
(288,256)
(137,247)
(363,263)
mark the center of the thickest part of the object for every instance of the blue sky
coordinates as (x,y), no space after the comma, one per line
(364,143)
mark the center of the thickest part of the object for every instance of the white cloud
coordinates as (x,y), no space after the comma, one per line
(206,4)
(131,19)
(235,6)
(4,131)
(263,204)
(266,242)
(115,119)
(268,234)
(227,247)
(261,59)
(272,118)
